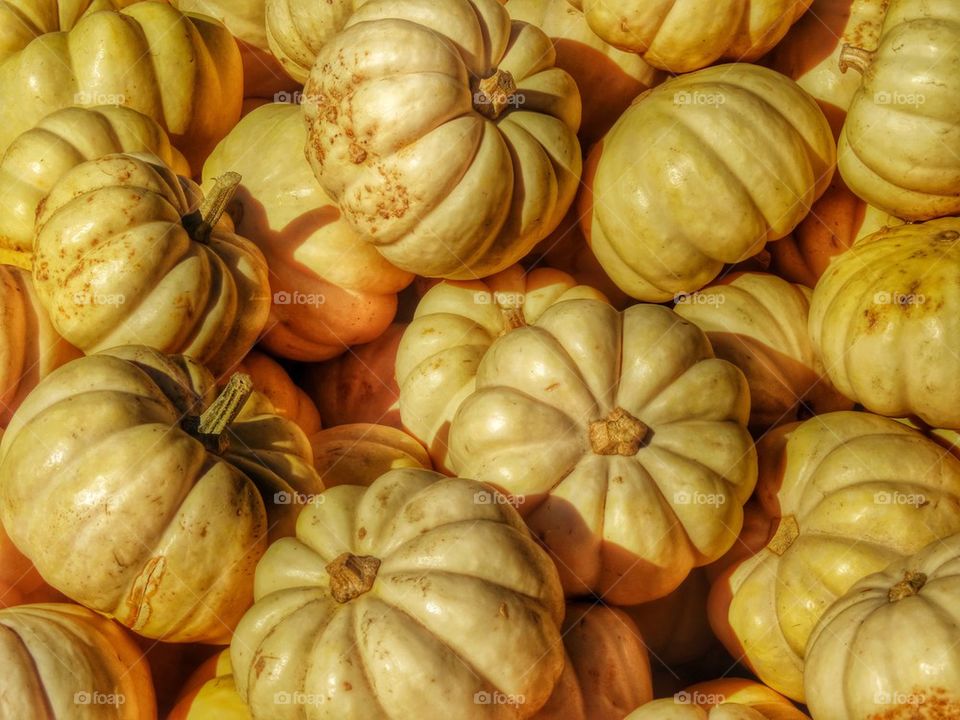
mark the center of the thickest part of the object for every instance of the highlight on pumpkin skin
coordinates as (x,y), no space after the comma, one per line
(724,699)
(359,453)
(211,692)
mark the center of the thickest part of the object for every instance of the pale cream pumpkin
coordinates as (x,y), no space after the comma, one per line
(732,157)
(184,71)
(900,145)
(330,288)
(211,693)
(359,453)
(273,382)
(853,671)
(465,184)
(844,495)
(64,661)
(454,325)
(410,593)
(297,30)
(685,35)
(620,438)
(23,20)
(136,496)
(124,255)
(724,699)
(884,318)
(758,322)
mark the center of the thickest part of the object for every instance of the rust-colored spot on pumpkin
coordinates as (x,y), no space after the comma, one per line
(504,610)
(145,586)
(932,703)
(357,154)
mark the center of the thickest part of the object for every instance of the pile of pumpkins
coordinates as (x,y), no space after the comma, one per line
(479,359)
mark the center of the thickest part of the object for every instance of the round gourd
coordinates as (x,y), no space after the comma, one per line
(297,30)
(724,699)
(621,440)
(465,184)
(844,495)
(883,317)
(23,20)
(64,661)
(136,495)
(664,221)
(758,322)
(330,288)
(454,325)
(682,35)
(851,673)
(410,593)
(182,70)
(123,255)
(272,381)
(37,159)
(211,693)
(900,145)
(359,453)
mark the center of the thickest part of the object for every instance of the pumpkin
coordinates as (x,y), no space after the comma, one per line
(851,673)
(63,140)
(620,438)
(883,315)
(700,195)
(837,221)
(724,699)
(464,185)
(272,381)
(606,673)
(810,51)
(412,592)
(330,289)
(211,693)
(23,20)
(20,582)
(758,322)
(125,455)
(122,255)
(358,454)
(608,78)
(844,494)
(296,30)
(184,71)
(64,661)
(680,36)
(454,325)
(30,348)
(900,145)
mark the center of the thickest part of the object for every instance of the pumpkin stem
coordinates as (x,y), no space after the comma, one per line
(512,319)
(210,427)
(787,532)
(351,576)
(492,95)
(619,434)
(911,584)
(202,222)
(855,57)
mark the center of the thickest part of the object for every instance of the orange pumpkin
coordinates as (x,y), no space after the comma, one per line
(359,453)
(20,582)
(210,693)
(271,380)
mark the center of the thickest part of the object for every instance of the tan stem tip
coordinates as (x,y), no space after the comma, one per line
(911,584)
(210,427)
(854,57)
(619,434)
(351,576)
(201,223)
(492,95)
(787,532)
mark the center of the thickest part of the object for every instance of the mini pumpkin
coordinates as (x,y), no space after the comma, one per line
(272,381)
(621,439)
(297,30)
(359,453)
(211,693)
(465,184)
(724,699)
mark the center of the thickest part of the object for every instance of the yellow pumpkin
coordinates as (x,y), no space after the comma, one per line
(409,592)
(297,30)
(64,661)
(330,288)
(844,495)
(136,494)
(724,699)
(733,156)
(272,381)
(211,694)
(454,325)
(685,35)
(123,255)
(359,453)
(184,71)
(758,322)
(900,145)
(621,440)
(466,184)
(884,316)
(23,20)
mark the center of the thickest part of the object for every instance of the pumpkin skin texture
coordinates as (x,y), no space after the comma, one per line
(608,78)
(23,20)
(57,655)
(184,71)
(845,494)
(454,325)
(849,677)
(724,699)
(115,263)
(272,381)
(758,322)
(599,426)
(297,30)
(310,632)
(330,288)
(900,144)
(170,553)
(64,139)
(358,454)
(466,184)
(211,694)
(882,317)
(683,35)
(699,196)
